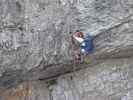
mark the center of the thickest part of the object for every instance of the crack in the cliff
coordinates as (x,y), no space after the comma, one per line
(67,68)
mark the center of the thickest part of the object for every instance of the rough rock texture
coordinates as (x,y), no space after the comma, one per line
(27,91)
(34,36)
(110,80)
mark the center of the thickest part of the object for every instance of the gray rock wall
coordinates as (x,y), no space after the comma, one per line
(109,80)
(32,37)
(35,40)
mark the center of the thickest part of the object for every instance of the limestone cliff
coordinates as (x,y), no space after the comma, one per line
(34,37)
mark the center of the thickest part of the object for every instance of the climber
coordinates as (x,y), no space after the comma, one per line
(85,44)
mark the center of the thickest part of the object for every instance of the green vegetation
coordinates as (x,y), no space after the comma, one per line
(51,82)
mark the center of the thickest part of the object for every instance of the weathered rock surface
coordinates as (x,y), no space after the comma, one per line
(34,35)
(109,80)
(28,91)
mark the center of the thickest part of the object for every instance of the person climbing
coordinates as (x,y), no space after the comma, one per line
(85,44)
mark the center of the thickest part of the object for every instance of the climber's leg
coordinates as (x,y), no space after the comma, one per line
(77,56)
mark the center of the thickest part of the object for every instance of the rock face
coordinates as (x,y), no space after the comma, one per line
(109,80)
(28,91)
(35,42)
(33,37)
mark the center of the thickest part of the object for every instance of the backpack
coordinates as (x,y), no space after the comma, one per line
(87,45)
